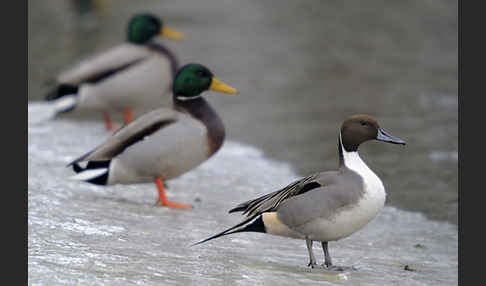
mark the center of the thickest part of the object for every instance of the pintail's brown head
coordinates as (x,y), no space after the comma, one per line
(360,128)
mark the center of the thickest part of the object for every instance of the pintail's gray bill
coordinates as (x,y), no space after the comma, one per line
(385,137)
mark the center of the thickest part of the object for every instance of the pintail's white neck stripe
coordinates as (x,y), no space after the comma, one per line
(353,161)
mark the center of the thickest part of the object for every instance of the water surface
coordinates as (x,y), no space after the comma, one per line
(86,234)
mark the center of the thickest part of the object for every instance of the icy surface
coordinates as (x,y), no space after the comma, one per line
(82,234)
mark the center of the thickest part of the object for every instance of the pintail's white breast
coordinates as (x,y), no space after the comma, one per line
(354,217)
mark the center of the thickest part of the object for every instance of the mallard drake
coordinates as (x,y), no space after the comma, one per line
(137,74)
(163,143)
(326,206)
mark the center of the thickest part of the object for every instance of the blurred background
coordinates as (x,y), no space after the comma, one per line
(301,67)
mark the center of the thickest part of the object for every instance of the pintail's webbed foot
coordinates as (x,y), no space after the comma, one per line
(339,268)
(312,265)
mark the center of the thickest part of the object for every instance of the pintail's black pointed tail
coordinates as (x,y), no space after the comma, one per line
(251,224)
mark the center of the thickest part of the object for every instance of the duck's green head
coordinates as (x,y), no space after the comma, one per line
(192,79)
(143,27)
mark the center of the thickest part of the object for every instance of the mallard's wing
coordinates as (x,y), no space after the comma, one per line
(102,65)
(130,134)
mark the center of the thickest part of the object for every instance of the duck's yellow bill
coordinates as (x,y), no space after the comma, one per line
(171,33)
(218,85)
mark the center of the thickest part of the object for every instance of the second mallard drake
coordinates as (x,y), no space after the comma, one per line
(137,74)
(163,143)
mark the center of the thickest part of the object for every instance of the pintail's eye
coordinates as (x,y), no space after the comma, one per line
(364,123)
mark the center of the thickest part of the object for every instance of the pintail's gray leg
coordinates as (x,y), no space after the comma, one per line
(328,261)
(312,258)
(327,256)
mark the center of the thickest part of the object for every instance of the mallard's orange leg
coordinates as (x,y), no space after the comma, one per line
(108,124)
(163,199)
(127,115)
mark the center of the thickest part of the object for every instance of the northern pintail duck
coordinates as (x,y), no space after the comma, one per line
(326,206)
(163,143)
(137,74)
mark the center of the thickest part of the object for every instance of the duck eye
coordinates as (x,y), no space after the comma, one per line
(200,73)
(363,123)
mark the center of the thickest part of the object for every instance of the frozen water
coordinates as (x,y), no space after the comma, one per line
(85,234)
